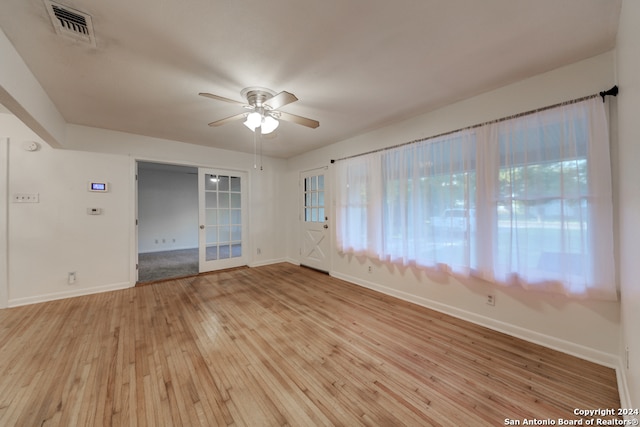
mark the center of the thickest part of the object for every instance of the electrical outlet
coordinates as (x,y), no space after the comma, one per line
(491,299)
(72,277)
(258,251)
(370,269)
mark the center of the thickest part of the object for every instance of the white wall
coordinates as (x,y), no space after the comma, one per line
(4,210)
(266,228)
(586,328)
(628,67)
(21,93)
(49,239)
(167,209)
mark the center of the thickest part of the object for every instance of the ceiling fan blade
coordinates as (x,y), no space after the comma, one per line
(221,98)
(279,100)
(228,119)
(298,119)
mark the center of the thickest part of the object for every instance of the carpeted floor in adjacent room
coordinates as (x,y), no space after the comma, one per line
(154,266)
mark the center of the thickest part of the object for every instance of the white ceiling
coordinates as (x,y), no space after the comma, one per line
(354,65)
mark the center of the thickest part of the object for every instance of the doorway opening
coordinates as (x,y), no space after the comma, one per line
(167,221)
(189,220)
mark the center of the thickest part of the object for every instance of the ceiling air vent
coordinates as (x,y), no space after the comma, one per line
(71,23)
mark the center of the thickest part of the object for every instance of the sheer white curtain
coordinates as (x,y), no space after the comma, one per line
(359,225)
(525,200)
(428,203)
(553,228)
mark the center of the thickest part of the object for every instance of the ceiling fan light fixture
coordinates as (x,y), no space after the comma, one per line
(253,120)
(264,105)
(269,124)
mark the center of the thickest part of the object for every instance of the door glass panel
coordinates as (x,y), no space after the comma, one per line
(212,253)
(211,200)
(314,199)
(224,233)
(236,216)
(223,200)
(236,233)
(224,217)
(235,201)
(211,182)
(212,216)
(225,252)
(236,250)
(223,184)
(235,184)
(212,235)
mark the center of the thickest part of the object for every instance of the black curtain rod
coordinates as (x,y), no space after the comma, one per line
(611,92)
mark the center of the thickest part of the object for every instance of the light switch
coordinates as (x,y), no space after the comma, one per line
(26,198)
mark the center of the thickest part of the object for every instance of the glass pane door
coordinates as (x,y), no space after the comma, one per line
(222,219)
(314,246)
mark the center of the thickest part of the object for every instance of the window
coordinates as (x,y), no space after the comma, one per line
(525,200)
(429,198)
(314,199)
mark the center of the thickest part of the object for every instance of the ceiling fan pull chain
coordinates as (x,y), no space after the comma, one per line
(260,131)
(255,151)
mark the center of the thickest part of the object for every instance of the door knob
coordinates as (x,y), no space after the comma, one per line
(202,227)
(325,226)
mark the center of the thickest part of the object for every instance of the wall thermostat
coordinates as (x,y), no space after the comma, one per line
(100,187)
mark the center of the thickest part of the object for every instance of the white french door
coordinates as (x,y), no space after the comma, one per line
(223,219)
(314,247)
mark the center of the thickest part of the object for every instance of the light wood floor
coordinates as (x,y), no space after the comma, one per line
(275,345)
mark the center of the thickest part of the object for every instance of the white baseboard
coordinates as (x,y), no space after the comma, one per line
(167,249)
(623,388)
(16,302)
(267,262)
(68,294)
(596,356)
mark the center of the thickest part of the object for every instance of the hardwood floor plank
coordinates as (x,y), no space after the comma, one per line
(275,345)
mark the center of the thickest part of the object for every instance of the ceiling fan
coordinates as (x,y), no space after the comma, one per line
(263,105)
